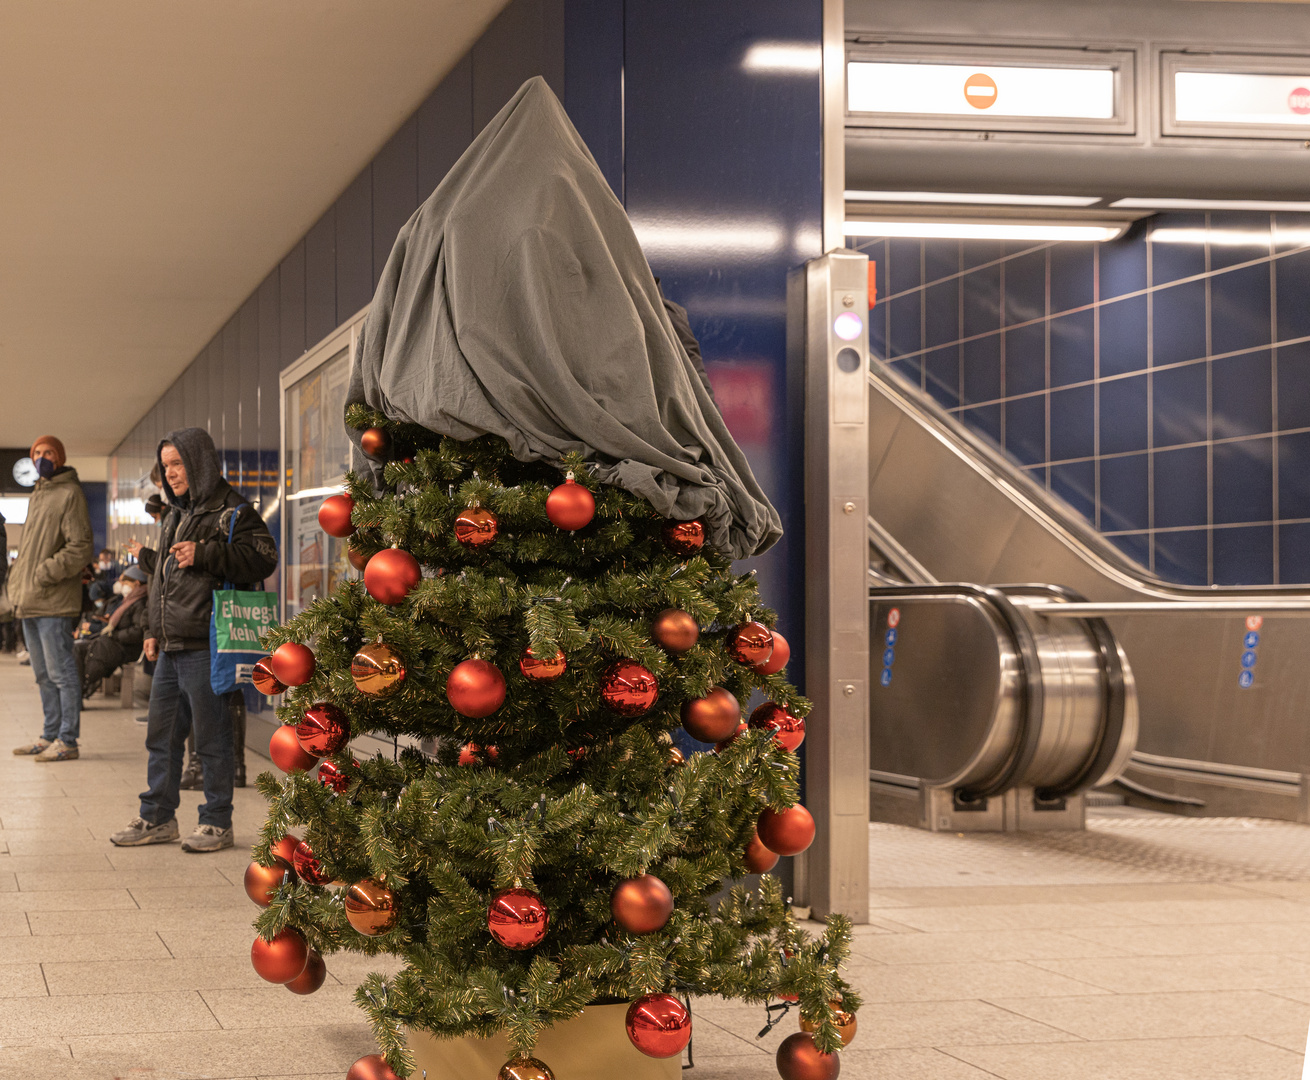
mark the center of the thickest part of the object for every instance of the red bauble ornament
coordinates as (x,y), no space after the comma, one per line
(324,729)
(334,516)
(475,688)
(799,1059)
(685,538)
(261,882)
(788,731)
(751,643)
(312,977)
(777,659)
(541,669)
(476,527)
(713,717)
(390,575)
(641,905)
(469,754)
(265,681)
(517,918)
(371,907)
(308,867)
(570,506)
(758,858)
(292,663)
(287,753)
(371,1067)
(675,630)
(375,442)
(723,744)
(787,833)
(628,688)
(335,778)
(358,559)
(659,1025)
(285,849)
(281,959)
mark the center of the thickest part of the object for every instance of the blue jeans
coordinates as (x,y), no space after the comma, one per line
(50,643)
(181,701)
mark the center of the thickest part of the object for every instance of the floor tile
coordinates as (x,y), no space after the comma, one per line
(105,1014)
(1010,917)
(1157,974)
(953,982)
(921,948)
(1200,938)
(72,948)
(144,976)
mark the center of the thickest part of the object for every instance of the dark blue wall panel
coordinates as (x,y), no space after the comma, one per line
(524,40)
(395,190)
(354,246)
(445,127)
(593,82)
(291,301)
(321,279)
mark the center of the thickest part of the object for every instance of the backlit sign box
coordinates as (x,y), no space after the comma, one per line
(1246,98)
(967,90)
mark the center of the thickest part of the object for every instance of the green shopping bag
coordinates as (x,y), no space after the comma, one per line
(239,620)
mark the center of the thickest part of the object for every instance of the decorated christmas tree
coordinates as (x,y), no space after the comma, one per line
(547,598)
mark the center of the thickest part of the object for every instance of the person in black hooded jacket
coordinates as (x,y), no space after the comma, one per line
(194,558)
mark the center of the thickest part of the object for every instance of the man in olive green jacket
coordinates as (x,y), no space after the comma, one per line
(45,588)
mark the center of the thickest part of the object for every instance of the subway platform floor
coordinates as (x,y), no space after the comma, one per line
(1147,948)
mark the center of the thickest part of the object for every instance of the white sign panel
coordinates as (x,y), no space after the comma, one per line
(967,90)
(1225,97)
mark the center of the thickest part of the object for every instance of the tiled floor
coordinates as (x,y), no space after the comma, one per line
(1147,948)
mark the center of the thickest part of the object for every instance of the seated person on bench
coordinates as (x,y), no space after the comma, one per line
(120,641)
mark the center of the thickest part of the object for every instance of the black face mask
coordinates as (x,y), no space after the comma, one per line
(45,467)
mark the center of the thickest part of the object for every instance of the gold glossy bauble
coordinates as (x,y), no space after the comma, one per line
(542,669)
(377,670)
(476,527)
(845,1021)
(799,1059)
(525,1068)
(371,907)
(675,629)
(676,756)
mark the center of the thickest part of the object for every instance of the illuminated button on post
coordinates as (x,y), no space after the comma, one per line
(847,326)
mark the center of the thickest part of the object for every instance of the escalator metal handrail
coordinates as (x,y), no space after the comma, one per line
(1085,610)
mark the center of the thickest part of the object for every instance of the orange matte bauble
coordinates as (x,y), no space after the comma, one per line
(542,669)
(777,659)
(285,849)
(658,1025)
(334,516)
(287,753)
(475,688)
(323,730)
(675,629)
(723,744)
(641,905)
(517,918)
(570,506)
(845,1022)
(787,833)
(525,1068)
(375,442)
(390,575)
(628,688)
(684,538)
(265,681)
(262,882)
(312,977)
(751,644)
(358,559)
(282,958)
(308,867)
(371,907)
(799,1059)
(476,527)
(292,663)
(758,858)
(713,717)
(371,1067)
(788,731)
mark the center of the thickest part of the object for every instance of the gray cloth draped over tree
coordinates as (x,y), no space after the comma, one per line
(517,302)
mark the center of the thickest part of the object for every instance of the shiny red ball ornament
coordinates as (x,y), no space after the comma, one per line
(292,663)
(334,516)
(476,527)
(659,1025)
(641,905)
(371,907)
(375,442)
(723,744)
(314,975)
(758,858)
(262,882)
(323,730)
(751,643)
(517,918)
(371,1067)
(285,849)
(390,575)
(475,688)
(777,659)
(282,958)
(287,753)
(787,833)
(542,669)
(675,630)
(788,731)
(358,559)
(335,778)
(471,754)
(684,538)
(713,717)
(265,681)
(570,506)
(308,867)
(799,1059)
(628,688)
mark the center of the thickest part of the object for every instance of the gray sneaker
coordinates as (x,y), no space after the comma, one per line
(208,838)
(32,749)
(139,833)
(58,751)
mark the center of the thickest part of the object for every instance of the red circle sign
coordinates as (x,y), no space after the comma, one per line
(1299,101)
(1254,622)
(980,90)
(894,617)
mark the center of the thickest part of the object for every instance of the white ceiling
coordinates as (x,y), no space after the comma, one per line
(157,160)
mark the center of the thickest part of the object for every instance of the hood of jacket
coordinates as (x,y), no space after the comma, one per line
(200,459)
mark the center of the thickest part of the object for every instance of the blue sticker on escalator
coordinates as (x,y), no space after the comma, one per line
(886,678)
(1246,678)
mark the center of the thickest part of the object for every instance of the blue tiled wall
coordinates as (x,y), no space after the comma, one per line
(1159,383)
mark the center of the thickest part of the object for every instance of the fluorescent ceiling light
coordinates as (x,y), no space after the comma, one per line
(783,56)
(1208,204)
(1257,238)
(977,198)
(988,230)
(316,492)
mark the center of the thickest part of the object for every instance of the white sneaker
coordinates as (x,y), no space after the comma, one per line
(58,751)
(208,838)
